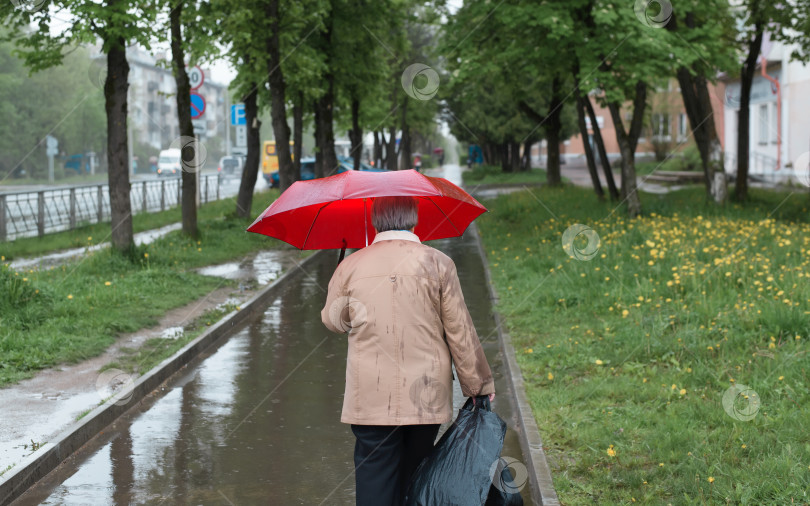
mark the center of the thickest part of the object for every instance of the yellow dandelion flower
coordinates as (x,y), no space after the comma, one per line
(682,391)
(660,464)
(611,452)
(550,376)
(146,255)
(598,362)
(90,238)
(70,296)
(781,378)
(710,479)
(107,283)
(743,447)
(530,350)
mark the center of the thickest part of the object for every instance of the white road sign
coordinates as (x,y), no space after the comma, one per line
(200,126)
(195,77)
(241,136)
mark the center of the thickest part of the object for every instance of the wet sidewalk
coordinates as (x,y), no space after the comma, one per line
(255,420)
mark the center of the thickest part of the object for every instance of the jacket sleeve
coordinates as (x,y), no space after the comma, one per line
(471,364)
(335,312)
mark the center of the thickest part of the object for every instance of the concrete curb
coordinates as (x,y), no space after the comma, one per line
(531,443)
(37,465)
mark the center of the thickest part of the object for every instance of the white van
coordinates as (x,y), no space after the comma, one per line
(169,163)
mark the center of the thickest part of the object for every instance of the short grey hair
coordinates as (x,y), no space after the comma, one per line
(394,213)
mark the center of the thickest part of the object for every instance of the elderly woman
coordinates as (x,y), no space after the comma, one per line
(402,306)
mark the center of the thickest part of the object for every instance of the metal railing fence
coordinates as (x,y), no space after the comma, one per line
(36,213)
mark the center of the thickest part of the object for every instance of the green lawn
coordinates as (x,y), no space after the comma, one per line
(491,174)
(100,232)
(627,356)
(76,311)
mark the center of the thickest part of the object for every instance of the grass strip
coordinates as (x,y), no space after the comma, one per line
(671,367)
(74,312)
(492,174)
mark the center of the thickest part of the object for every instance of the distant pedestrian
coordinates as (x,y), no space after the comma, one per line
(402,305)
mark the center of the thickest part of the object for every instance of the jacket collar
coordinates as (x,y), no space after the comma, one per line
(396,234)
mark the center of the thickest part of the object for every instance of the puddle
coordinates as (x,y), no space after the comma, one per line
(228,271)
(172,333)
(263,268)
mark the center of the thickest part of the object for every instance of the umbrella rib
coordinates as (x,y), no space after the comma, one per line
(313,224)
(445,215)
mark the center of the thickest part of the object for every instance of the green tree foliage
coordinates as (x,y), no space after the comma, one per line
(44,41)
(60,101)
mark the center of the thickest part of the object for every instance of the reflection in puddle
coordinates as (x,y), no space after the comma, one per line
(267,266)
(263,268)
(172,333)
(228,271)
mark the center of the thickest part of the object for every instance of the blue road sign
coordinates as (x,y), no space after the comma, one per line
(238,115)
(197,105)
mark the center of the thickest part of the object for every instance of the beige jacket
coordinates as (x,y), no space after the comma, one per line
(402,305)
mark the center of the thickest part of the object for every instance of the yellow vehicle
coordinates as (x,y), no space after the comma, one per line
(270,161)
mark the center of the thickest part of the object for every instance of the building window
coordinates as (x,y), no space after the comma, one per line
(682,126)
(764,124)
(660,125)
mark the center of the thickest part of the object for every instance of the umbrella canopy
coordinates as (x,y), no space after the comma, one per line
(323,213)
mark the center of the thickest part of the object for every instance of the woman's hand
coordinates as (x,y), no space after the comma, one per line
(491,397)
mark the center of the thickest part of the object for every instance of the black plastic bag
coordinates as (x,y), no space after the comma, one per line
(504,490)
(457,472)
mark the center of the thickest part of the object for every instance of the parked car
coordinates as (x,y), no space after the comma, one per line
(169,163)
(79,163)
(230,165)
(308,169)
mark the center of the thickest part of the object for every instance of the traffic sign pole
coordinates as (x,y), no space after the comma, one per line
(227,127)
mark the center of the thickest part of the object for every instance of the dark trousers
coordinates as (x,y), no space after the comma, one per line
(385,457)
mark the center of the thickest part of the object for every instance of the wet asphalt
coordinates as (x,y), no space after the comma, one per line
(256,418)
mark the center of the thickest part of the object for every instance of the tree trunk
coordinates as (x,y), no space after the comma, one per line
(319,170)
(278,101)
(526,163)
(697,103)
(743,129)
(244,199)
(627,145)
(697,120)
(115,105)
(356,134)
(600,147)
(504,152)
(325,128)
(514,156)
(391,150)
(377,151)
(586,143)
(553,128)
(190,163)
(298,136)
(405,141)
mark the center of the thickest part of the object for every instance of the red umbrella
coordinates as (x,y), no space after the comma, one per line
(335,211)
